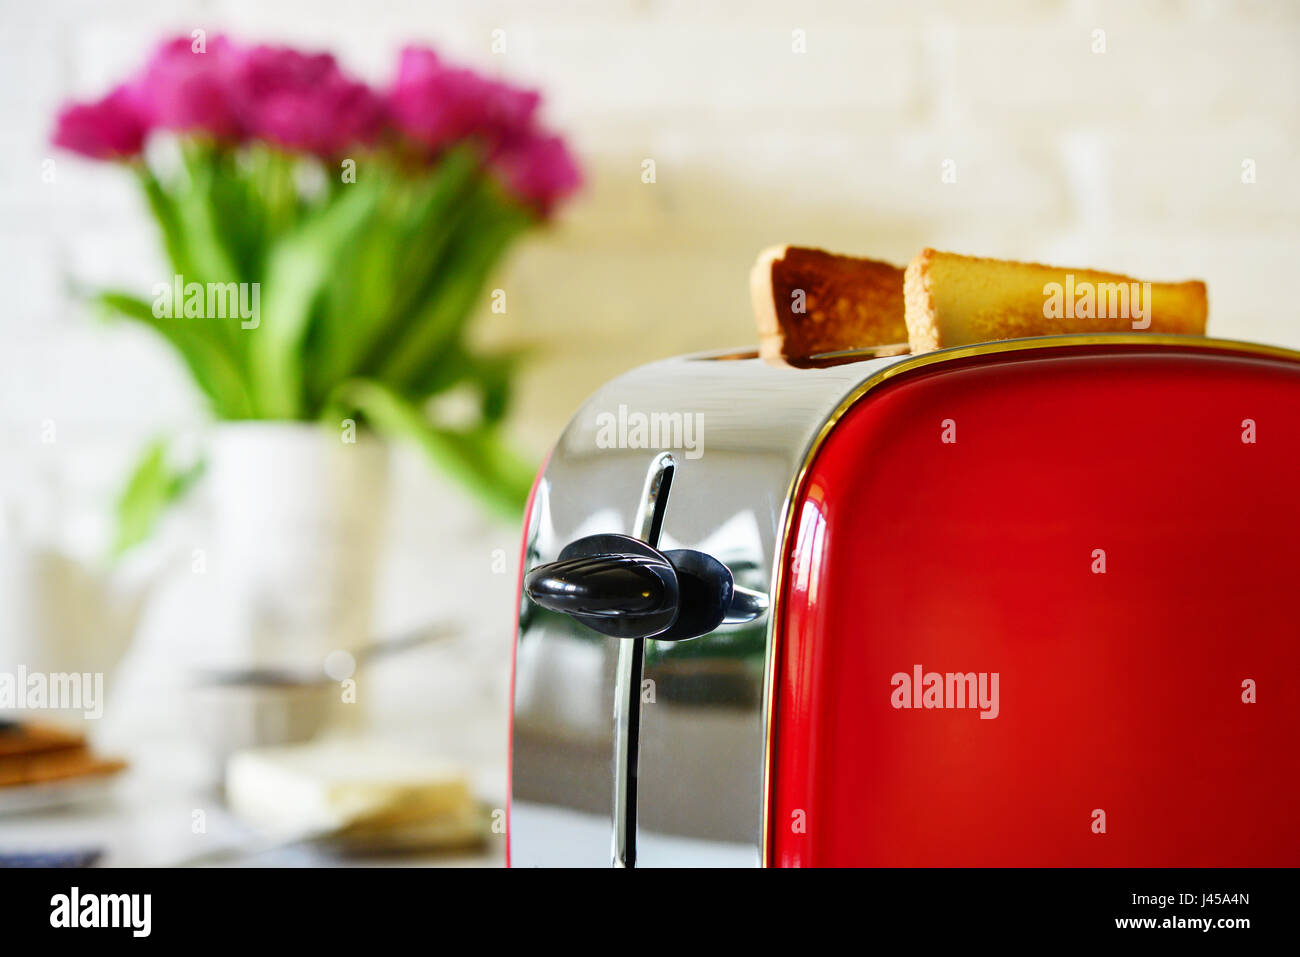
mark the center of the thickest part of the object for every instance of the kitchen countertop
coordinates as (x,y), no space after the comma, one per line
(167,810)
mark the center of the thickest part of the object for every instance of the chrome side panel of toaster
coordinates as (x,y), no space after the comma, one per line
(739,430)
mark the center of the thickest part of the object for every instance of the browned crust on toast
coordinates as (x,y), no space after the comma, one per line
(32,738)
(37,753)
(809,301)
(46,766)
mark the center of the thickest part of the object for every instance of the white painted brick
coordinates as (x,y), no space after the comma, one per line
(125,257)
(30,63)
(613,69)
(785,171)
(853,12)
(1253,12)
(115,377)
(365,37)
(102,54)
(32,283)
(1192,178)
(1198,71)
(82,192)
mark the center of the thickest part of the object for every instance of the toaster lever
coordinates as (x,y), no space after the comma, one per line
(613,584)
(620,586)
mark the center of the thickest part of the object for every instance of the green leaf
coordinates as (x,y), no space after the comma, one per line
(462,278)
(297,271)
(188,227)
(495,375)
(164,212)
(492,374)
(195,209)
(397,265)
(151,489)
(479,458)
(216,375)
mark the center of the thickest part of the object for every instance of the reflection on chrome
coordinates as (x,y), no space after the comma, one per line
(702,734)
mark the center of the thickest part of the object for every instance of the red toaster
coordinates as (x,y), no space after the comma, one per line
(1029,602)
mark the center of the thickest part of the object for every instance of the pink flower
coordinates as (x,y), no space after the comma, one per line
(304,101)
(325,120)
(188,91)
(111,128)
(415,65)
(540,170)
(296,100)
(437,105)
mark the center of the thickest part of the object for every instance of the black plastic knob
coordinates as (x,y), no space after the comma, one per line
(605,586)
(613,584)
(620,586)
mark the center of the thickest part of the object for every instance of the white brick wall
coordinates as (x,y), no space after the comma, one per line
(1128,159)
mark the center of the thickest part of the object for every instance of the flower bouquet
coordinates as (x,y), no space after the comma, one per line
(329,242)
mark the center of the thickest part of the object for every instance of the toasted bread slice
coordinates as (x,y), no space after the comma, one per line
(956,300)
(808,301)
(32,738)
(44,766)
(33,753)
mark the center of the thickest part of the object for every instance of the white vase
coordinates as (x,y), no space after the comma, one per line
(297,518)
